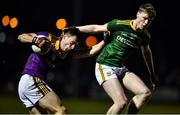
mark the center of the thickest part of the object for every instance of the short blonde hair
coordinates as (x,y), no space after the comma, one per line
(148,8)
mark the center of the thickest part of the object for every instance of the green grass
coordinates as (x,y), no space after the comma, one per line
(12,105)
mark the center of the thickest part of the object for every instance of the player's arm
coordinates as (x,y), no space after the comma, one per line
(26,37)
(147,55)
(38,39)
(92,28)
(90,51)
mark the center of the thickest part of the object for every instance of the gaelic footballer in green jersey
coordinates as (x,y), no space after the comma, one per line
(110,70)
(124,40)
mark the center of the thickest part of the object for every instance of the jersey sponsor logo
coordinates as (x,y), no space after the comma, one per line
(125,41)
(129,35)
(127,38)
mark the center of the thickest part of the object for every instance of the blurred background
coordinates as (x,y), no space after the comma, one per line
(74,80)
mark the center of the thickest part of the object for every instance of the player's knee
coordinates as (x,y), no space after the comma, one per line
(120,106)
(120,103)
(61,110)
(146,94)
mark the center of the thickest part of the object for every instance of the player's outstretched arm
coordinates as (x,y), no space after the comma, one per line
(39,41)
(26,37)
(92,28)
(35,39)
(90,51)
(96,48)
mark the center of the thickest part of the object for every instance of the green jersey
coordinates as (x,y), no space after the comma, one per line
(124,39)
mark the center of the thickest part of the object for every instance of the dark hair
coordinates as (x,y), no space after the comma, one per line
(72,31)
(148,8)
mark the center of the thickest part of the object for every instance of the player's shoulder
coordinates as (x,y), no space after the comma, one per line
(120,21)
(111,21)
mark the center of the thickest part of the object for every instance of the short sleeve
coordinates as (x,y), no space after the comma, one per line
(111,25)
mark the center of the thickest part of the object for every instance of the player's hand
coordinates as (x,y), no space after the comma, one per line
(154,80)
(39,41)
(41,44)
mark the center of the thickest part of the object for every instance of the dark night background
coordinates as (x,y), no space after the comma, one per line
(76,78)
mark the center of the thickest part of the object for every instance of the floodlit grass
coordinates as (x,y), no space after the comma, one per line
(12,105)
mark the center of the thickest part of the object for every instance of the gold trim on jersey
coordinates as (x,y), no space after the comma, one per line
(126,22)
(57,44)
(132,25)
(50,37)
(123,22)
(101,72)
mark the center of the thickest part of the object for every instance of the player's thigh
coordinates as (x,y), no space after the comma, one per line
(50,101)
(114,89)
(133,83)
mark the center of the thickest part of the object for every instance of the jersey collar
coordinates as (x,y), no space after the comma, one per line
(132,25)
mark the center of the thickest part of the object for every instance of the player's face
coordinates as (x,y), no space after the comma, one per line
(143,20)
(68,43)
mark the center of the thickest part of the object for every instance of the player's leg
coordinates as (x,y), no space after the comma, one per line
(114,89)
(49,100)
(23,87)
(112,86)
(52,103)
(34,110)
(38,97)
(141,92)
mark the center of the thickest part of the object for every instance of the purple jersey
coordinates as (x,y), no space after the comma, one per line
(39,65)
(36,66)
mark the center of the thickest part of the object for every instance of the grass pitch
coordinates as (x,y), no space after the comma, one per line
(12,105)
